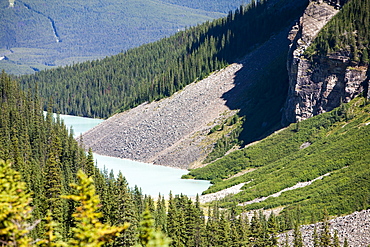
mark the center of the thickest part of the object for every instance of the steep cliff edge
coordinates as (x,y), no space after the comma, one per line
(320,84)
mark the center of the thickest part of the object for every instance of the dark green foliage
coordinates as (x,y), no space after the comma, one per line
(153,71)
(298,242)
(347,33)
(48,159)
(148,237)
(91,30)
(124,211)
(325,237)
(41,149)
(339,146)
(345,244)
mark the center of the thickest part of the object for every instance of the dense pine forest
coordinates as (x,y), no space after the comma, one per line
(91,30)
(52,194)
(347,34)
(156,70)
(44,159)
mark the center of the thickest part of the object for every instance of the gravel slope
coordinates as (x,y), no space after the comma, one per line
(170,132)
(355,227)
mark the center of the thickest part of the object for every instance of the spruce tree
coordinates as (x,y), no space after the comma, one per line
(124,211)
(160,215)
(325,237)
(148,236)
(298,241)
(15,210)
(272,229)
(89,231)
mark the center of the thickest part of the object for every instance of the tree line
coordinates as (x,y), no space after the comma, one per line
(183,220)
(52,194)
(346,34)
(150,72)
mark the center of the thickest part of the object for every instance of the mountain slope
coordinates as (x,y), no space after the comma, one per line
(328,67)
(39,34)
(181,131)
(334,145)
(176,131)
(156,70)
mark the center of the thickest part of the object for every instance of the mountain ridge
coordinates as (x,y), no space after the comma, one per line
(32,30)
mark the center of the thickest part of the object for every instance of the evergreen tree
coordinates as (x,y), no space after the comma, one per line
(15,210)
(52,237)
(325,237)
(298,242)
(89,168)
(272,228)
(336,239)
(316,240)
(89,231)
(148,236)
(160,215)
(256,232)
(345,244)
(199,224)
(124,211)
(224,231)
(53,183)
(212,226)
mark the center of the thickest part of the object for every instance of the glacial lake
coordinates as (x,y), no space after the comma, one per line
(152,179)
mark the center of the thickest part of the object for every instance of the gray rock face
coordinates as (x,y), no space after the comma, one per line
(165,132)
(318,86)
(354,227)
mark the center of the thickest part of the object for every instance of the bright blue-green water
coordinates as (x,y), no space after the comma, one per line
(152,179)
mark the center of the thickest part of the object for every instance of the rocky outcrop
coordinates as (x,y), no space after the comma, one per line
(318,86)
(354,227)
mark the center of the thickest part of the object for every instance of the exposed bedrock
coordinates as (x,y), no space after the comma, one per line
(322,84)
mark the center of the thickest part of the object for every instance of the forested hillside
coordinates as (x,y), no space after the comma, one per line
(39,34)
(153,71)
(335,144)
(43,159)
(347,34)
(215,5)
(307,172)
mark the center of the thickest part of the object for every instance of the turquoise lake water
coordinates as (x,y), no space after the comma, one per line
(152,179)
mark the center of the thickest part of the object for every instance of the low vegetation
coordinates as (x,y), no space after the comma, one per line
(339,146)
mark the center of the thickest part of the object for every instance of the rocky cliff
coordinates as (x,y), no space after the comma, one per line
(320,84)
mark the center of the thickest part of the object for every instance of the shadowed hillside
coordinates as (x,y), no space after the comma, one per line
(41,34)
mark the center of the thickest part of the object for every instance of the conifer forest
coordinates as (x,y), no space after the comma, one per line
(52,194)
